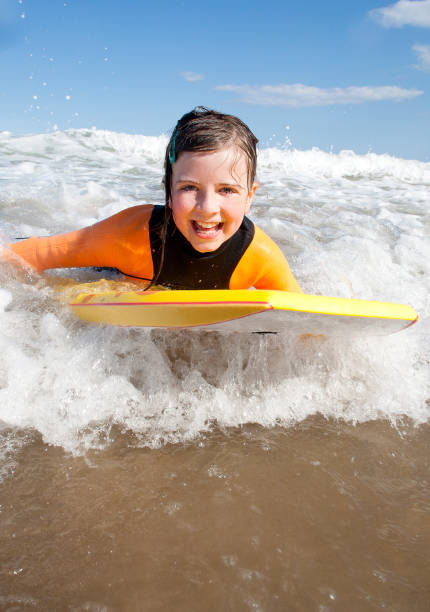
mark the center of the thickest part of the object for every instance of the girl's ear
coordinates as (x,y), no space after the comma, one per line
(251,195)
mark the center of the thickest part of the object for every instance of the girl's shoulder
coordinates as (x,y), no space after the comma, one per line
(128,219)
(261,261)
(264,246)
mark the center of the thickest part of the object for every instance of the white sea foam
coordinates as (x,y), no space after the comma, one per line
(351,225)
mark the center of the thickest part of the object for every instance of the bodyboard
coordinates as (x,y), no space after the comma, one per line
(242,310)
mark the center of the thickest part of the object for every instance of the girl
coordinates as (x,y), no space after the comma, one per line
(201,238)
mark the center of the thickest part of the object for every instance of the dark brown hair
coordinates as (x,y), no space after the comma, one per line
(206,130)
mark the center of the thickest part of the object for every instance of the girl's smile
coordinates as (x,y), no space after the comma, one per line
(210,196)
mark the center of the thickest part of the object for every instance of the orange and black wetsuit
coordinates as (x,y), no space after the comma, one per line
(130,242)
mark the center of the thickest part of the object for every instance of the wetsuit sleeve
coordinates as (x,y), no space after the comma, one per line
(121,241)
(263,266)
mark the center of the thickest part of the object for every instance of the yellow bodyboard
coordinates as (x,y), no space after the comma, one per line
(240,310)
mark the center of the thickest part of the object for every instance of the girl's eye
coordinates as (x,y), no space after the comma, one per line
(228,190)
(188,188)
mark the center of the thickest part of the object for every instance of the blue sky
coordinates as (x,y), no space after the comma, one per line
(334,74)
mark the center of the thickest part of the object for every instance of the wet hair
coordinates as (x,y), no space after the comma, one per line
(204,130)
(208,130)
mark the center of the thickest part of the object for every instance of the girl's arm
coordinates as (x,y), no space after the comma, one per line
(121,241)
(72,250)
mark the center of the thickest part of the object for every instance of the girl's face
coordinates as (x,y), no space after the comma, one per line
(210,196)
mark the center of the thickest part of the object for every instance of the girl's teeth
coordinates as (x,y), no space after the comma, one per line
(206,225)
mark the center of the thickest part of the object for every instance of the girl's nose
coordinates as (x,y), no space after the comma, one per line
(207,201)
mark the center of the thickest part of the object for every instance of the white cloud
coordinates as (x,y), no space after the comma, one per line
(423,53)
(192,76)
(299,95)
(404,12)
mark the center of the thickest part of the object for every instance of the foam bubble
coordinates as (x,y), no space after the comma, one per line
(5,299)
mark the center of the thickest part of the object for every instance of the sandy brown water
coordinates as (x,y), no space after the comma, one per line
(323,516)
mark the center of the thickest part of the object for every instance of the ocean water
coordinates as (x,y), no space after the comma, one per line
(158,470)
